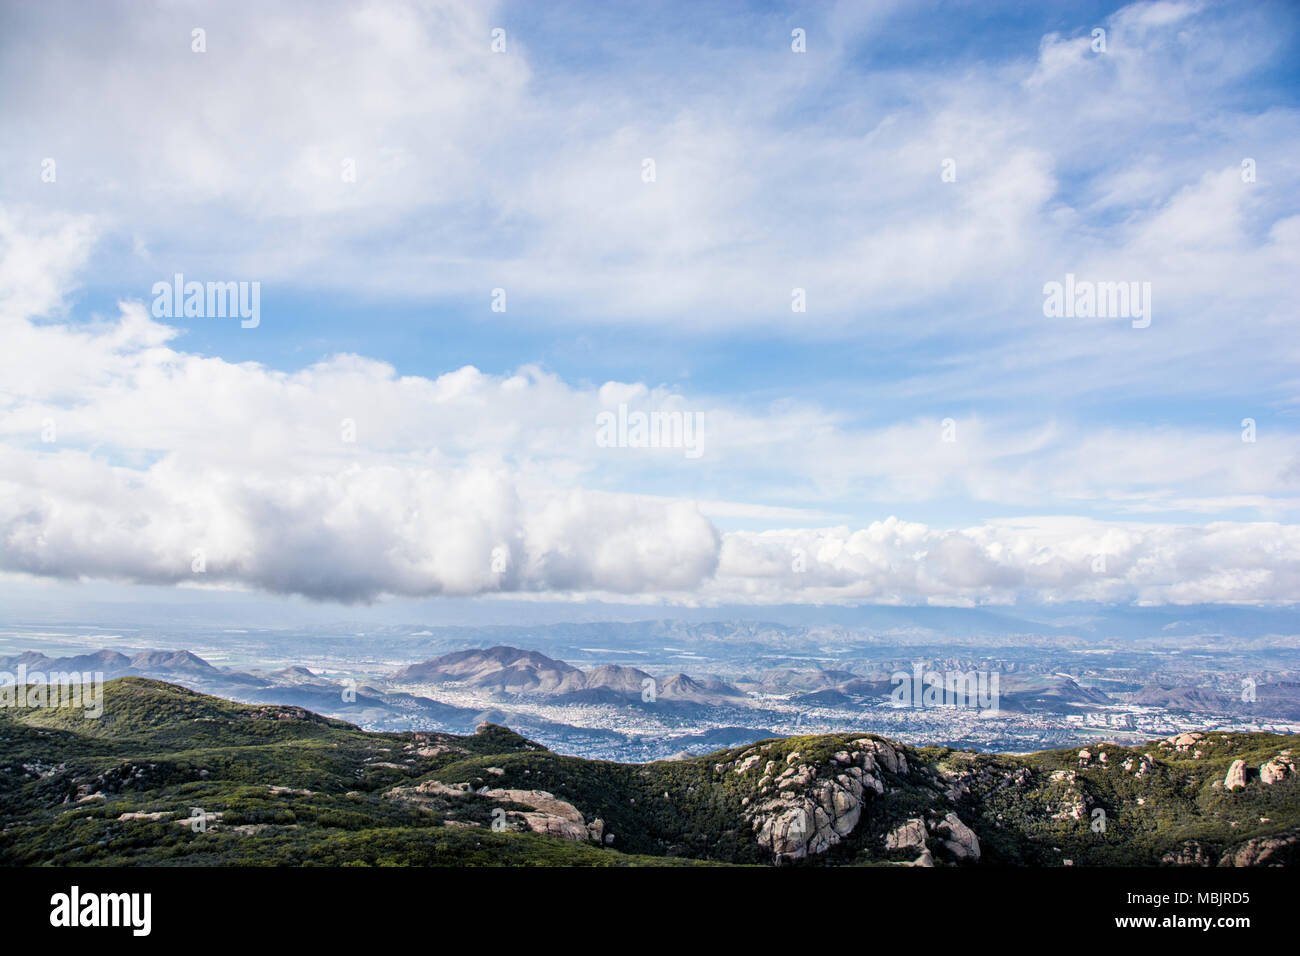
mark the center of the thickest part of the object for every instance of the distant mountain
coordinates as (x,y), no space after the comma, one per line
(1054,692)
(114,664)
(787,679)
(1278,700)
(507,670)
(681,687)
(512,671)
(368,706)
(111,663)
(1281,699)
(1192,700)
(862,687)
(173,662)
(622,682)
(621,718)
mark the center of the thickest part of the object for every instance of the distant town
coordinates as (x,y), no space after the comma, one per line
(649,690)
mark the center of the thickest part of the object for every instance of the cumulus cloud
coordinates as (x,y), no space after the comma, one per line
(38,262)
(122,458)
(1067,559)
(364,532)
(352,535)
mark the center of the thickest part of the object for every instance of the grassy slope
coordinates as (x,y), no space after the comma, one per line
(163,749)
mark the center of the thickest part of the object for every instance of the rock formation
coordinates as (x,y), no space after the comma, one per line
(907,836)
(1236,776)
(805,809)
(1271,771)
(959,839)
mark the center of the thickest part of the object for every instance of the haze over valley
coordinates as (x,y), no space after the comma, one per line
(653,689)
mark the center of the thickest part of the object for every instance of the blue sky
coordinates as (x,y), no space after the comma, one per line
(775,170)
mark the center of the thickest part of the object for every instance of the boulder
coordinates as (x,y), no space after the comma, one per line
(1183,742)
(907,836)
(1271,771)
(749,763)
(549,814)
(957,838)
(1236,776)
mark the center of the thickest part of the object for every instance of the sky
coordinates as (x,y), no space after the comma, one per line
(820,238)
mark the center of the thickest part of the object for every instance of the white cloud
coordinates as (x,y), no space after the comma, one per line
(471,484)
(351,535)
(1070,559)
(38,263)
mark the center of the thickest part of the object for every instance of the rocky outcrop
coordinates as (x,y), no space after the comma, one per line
(956,784)
(810,819)
(1183,743)
(1281,850)
(1190,853)
(806,809)
(893,760)
(1069,801)
(957,838)
(422,792)
(1236,776)
(907,836)
(1271,771)
(1141,766)
(1264,851)
(549,814)
(801,804)
(422,747)
(748,764)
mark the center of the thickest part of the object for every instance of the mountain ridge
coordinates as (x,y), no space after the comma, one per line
(515,671)
(281,784)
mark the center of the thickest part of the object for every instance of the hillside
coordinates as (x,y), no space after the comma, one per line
(169,775)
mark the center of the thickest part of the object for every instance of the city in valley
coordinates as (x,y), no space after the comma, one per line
(655,689)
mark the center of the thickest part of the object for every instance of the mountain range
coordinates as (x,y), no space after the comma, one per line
(616,711)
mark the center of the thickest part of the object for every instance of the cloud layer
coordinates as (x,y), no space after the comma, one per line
(124,458)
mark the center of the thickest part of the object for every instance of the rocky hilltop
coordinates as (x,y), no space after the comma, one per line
(169,775)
